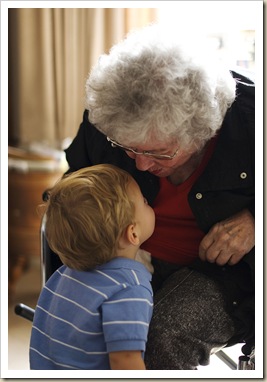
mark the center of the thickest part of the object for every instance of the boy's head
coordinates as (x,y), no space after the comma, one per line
(90,210)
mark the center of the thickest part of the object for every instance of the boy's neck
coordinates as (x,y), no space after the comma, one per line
(129,252)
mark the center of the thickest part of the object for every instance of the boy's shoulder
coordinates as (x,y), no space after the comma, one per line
(119,273)
(127,270)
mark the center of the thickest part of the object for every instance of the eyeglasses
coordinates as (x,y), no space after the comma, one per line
(145,153)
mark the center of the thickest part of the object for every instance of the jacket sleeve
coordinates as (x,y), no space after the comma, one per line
(77,154)
(246,95)
(227,185)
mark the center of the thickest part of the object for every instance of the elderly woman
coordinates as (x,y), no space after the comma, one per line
(185,130)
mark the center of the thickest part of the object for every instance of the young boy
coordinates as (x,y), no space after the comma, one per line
(94,311)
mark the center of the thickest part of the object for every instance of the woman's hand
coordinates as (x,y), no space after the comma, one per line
(229,240)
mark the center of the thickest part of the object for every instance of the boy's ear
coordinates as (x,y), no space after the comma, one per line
(132,234)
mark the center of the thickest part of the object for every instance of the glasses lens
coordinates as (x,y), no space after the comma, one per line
(145,153)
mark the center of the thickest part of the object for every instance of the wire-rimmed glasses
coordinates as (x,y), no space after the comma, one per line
(145,153)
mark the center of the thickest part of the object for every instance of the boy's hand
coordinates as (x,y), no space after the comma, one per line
(144,257)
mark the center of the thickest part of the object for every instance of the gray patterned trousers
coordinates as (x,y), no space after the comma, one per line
(189,322)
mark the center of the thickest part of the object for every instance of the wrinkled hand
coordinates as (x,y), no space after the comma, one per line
(229,240)
(144,257)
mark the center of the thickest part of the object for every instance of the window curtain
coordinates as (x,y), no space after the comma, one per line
(51,52)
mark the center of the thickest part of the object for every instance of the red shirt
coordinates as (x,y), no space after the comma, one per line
(177,236)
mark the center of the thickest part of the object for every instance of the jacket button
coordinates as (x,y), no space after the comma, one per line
(199,195)
(243,175)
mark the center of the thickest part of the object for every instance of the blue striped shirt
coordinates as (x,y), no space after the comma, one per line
(82,316)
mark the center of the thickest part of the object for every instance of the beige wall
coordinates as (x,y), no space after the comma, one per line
(51,52)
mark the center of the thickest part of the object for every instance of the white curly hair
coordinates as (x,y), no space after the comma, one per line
(151,85)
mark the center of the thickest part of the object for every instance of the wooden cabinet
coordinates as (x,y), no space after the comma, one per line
(24,218)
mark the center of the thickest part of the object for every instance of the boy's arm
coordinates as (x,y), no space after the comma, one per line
(126,360)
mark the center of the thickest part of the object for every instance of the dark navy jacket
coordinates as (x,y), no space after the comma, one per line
(225,187)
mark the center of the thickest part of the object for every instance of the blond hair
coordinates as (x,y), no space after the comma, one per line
(87,213)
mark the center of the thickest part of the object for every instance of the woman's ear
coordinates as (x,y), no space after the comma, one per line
(132,234)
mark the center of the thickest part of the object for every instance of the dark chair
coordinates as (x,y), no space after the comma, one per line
(50,262)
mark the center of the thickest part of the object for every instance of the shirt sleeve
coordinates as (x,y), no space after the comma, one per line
(126,317)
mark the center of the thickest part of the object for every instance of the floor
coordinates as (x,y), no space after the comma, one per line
(19,329)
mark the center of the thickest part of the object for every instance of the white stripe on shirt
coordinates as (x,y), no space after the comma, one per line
(67,345)
(51,360)
(110,278)
(135,276)
(69,323)
(129,299)
(71,301)
(85,285)
(125,322)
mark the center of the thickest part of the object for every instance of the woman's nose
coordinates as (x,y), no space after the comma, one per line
(143,163)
